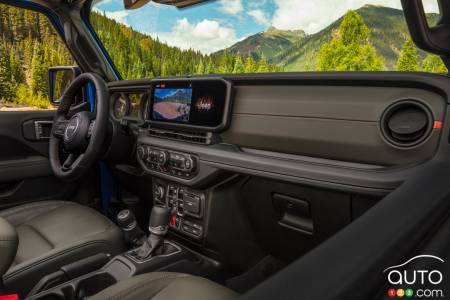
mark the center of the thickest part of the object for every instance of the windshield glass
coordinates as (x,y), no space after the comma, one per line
(260,36)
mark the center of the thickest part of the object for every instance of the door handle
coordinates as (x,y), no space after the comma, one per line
(43,129)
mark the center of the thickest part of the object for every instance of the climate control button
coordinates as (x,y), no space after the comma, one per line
(163,157)
(168,162)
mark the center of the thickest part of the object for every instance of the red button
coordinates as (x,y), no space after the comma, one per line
(9,297)
(438,125)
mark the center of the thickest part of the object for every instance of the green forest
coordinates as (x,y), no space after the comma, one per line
(29,45)
(350,49)
(137,55)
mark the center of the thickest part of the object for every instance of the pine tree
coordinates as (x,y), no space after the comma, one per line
(238,65)
(434,64)
(263,67)
(200,68)
(350,48)
(165,69)
(226,63)
(38,72)
(16,69)
(210,67)
(408,59)
(6,85)
(250,65)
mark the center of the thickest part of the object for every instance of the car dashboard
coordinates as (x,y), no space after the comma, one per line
(292,129)
(286,141)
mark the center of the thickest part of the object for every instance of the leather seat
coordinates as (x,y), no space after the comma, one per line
(166,286)
(53,234)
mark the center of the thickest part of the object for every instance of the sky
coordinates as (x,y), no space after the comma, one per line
(219,24)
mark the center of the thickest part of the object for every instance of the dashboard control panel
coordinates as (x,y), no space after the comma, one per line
(187,208)
(173,163)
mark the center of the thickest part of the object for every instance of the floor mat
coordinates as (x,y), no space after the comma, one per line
(265,268)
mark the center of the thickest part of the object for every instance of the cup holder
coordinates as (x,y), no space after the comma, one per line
(90,286)
(79,290)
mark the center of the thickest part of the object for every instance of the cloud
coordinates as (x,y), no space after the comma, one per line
(231,7)
(259,16)
(206,36)
(119,16)
(430,6)
(103,2)
(313,16)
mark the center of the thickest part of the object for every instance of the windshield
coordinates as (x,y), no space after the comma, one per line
(260,36)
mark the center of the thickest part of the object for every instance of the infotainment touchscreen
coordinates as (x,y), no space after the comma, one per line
(172,104)
(199,103)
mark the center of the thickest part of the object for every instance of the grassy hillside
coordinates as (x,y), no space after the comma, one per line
(268,44)
(388,33)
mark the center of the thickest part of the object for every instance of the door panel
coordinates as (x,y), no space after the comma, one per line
(25,172)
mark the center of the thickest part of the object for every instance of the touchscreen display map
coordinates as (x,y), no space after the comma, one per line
(172,104)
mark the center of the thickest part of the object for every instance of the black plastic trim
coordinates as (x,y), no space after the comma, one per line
(334,175)
(438,83)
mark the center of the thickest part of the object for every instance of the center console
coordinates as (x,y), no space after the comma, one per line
(187,206)
(152,253)
(185,110)
(121,268)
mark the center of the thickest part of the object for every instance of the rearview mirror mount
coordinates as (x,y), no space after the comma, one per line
(135,4)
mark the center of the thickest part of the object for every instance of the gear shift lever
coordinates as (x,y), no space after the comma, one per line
(134,235)
(159,222)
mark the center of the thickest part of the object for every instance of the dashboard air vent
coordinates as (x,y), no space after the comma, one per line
(406,123)
(193,137)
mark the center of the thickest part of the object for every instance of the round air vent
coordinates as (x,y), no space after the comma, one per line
(406,123)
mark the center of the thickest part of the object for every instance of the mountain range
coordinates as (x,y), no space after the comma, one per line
(295,50)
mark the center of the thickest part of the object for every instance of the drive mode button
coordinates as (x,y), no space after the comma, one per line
(192,206)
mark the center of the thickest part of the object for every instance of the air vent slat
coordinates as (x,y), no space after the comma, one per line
(193,137)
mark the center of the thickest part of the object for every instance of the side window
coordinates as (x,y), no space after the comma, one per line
(28,46)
